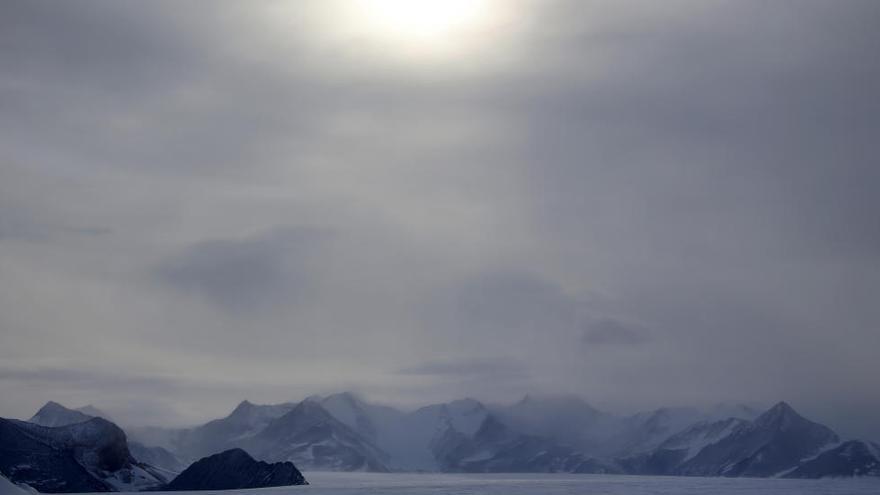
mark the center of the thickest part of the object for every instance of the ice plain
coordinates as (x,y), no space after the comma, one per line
(330,483)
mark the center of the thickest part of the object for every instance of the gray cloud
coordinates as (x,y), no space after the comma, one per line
(608,331)
(248,190)
(493,366)
(271,268)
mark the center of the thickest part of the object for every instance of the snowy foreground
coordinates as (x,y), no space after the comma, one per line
(562,484)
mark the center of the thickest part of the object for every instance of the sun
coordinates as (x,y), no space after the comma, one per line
(422,20)
(416,33)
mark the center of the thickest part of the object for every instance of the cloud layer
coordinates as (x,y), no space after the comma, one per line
(646,205)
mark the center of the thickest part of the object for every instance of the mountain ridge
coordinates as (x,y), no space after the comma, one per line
(345,432)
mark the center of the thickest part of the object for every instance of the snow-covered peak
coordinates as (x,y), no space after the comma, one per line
(350,410)
(54,414)
(780,416)
(242,409)
(255,415)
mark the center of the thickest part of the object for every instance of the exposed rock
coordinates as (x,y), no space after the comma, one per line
(235,469)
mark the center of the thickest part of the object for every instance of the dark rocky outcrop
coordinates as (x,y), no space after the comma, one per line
(235,469)
(91,456)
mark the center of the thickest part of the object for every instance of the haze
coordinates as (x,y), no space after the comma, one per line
(642,203)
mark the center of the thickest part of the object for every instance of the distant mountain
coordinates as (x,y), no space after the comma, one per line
(852,458)
(54,414)
(645,431)
(536,434)
(695,438)
(680,448)
(159,458)
(312,438)
(413,443)
(158,436)
(495,447)
(568,420)
(408,439)
(374,422)
(235,469)
(91,456)
(774,442)
(245,421)
(304,433)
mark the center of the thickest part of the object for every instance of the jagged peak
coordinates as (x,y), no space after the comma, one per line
(780,411)
(244,407)
(308,406)
(55,414)
(54,406)
(783,417)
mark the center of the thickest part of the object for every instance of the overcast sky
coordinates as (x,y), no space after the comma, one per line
(643,203)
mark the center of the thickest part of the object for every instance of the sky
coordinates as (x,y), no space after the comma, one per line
(642,203)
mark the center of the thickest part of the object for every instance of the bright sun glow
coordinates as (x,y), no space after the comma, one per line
(425,20)
(423,25)
(411,31)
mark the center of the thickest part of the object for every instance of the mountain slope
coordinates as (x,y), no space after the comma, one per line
(700,435)
(312,438)
(568,420)
(159,458)
(775,441)
(495,447)
(54,414)
(374,422)
(9,488)
(852,458)
(245,421)
(679,448)
(91,456)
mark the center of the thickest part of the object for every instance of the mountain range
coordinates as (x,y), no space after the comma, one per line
(346,433)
